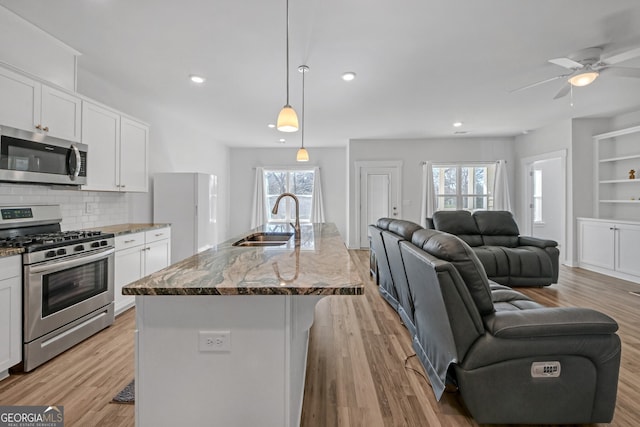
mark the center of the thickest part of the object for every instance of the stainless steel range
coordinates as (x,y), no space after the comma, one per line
(67,280)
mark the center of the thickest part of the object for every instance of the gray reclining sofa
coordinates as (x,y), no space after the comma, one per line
(507,257)
(512,359)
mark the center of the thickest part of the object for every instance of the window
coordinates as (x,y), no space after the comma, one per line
(296,181)
(460,186)
(537,196)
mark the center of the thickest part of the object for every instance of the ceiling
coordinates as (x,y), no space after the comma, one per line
(421,64)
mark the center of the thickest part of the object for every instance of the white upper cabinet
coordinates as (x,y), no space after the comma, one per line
(101,132)
(134,142)
(117,159)
(60,114)
(33,106)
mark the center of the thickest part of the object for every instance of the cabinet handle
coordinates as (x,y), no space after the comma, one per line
(39,127)
(159,234)
(122,186)
(129,241)
(46,128)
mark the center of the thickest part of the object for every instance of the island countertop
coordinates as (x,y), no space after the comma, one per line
(321,265)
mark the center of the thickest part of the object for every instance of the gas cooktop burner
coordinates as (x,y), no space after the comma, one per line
(39,241)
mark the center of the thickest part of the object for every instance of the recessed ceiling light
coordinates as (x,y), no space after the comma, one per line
(282,140)
(271,125)
(197,79)
(457,124)
(348,76)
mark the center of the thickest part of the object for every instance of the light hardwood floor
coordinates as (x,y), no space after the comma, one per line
(360,370)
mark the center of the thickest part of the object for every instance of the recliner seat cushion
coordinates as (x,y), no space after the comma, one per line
(495,263)
(450,248)
(458,223)
(528,261)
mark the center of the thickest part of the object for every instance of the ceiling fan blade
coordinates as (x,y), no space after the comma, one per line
(624,72)
(538,83)
(563,92)
(566,63)
(622,56)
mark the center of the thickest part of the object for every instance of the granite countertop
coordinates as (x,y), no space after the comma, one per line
(321,265)
(10,251)
(120,229)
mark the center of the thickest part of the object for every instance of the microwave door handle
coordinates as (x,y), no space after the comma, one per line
(61,265)
(76,171)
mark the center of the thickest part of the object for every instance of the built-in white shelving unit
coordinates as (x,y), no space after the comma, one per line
(616,153)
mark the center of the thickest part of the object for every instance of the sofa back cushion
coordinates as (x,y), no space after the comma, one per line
(459,223)
(383,223)
(498,228)
(449,248)
(402,228)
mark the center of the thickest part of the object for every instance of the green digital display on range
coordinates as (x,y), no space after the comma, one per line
(16,213)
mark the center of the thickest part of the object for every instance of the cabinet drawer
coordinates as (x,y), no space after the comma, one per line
(10,266)
(157,234)
(129,240)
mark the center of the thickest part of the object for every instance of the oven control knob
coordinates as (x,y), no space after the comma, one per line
(95,244)
(50,254)
(103,243)
(79,248)
(61,252)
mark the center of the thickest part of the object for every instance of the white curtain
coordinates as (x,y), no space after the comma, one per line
(259,211)
(317,208)
(428,193)
(501,199)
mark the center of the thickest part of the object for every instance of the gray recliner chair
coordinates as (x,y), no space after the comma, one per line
(513,360)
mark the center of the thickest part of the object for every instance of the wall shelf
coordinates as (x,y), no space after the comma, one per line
(619,181)
(617,159)
(620,201)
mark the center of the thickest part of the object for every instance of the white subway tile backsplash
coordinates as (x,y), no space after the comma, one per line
(110,208)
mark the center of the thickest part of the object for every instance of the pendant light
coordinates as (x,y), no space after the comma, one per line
(287,119)
(303,154)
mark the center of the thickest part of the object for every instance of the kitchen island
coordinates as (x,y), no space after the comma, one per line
(222,336)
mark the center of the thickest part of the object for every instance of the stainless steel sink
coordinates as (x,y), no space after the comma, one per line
(264,239)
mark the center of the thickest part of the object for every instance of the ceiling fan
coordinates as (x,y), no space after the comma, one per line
(587,65)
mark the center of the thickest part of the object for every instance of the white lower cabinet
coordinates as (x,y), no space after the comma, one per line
(10,313)
(138,255)
(609,247)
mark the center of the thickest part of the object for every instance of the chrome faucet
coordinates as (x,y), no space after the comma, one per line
(274,211)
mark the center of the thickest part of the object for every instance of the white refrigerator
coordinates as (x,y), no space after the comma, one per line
(186,200)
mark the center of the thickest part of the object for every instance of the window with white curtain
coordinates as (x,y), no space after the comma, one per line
(296,181)
(464,186)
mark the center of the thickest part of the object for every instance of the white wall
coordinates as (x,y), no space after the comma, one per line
(332,164)
(412,153)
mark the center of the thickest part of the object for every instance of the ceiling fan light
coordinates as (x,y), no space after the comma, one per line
(287,119)
(584,79)
(302,155)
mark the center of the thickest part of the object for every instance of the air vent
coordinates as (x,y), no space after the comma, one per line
(545,369)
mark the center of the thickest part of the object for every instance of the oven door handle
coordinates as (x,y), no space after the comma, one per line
(61,265)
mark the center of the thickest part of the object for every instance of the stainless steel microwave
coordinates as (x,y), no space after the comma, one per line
(37,158)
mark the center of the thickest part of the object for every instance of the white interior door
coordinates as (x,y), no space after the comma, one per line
(546,200)
(379,197)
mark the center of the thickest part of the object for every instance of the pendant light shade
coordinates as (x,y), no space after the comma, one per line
(303,154)
(287,119)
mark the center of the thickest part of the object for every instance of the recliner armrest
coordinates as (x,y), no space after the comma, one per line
(537,242)
(549,322)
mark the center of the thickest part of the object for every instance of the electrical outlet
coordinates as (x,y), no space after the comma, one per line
(219,341)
